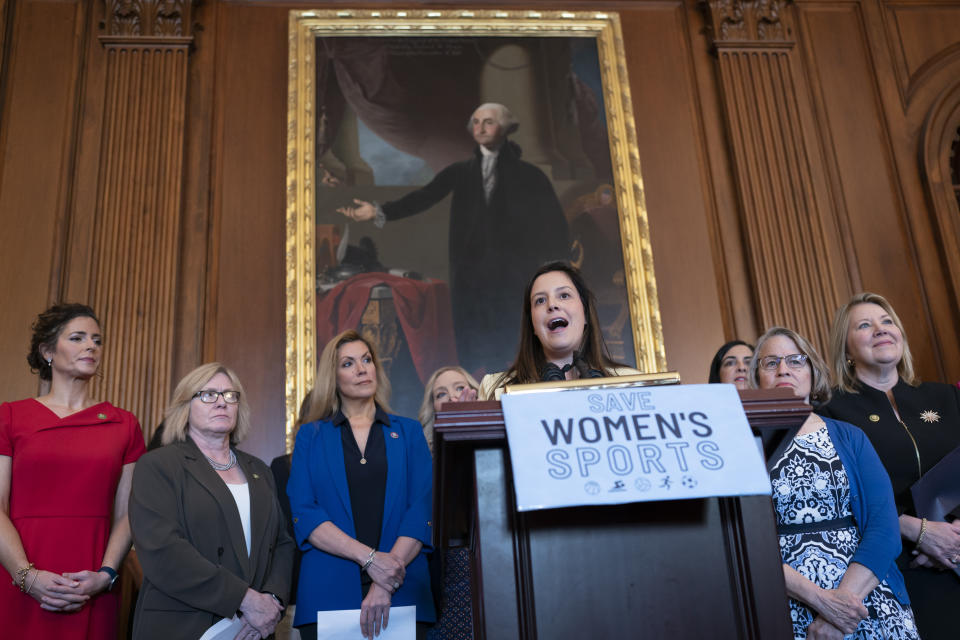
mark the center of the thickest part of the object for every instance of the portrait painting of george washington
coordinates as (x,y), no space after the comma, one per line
(446,167)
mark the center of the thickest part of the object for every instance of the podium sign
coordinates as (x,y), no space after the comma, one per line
(613,446)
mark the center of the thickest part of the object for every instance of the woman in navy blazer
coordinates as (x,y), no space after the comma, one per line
(361,495)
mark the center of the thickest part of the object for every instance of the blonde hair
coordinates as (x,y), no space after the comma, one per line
(820,378)
(325,397)
(427,412)
(843,366)
(176,420)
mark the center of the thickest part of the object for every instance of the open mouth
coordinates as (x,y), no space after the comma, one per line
(557,323)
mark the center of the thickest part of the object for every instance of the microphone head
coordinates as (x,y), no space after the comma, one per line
(552,373)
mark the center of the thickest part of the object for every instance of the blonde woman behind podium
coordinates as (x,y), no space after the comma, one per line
(834,508)
(560,337)
(447,384)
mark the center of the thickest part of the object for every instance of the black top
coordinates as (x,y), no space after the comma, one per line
(493,246)
(366,480)
(281,474)
(930,413)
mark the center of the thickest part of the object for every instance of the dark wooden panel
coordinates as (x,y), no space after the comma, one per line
(679,206)
(855,127)
(38,112)
(247,283)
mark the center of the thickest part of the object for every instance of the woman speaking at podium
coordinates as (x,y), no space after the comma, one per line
(560,337)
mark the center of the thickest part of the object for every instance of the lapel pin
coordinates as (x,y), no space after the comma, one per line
(930,416)
(393,434)
(102,416)
(874,417)
(256,477)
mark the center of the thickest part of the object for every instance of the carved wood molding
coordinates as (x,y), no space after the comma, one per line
(788,227)
(741,22)
(136,237)
(159,21)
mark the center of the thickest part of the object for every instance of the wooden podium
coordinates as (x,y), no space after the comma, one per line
(701,568)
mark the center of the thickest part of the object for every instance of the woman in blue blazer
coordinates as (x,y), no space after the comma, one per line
(361,496)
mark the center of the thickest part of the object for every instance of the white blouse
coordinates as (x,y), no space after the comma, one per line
(241,494)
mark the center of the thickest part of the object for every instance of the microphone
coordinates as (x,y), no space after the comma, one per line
(553,373)
(584,369)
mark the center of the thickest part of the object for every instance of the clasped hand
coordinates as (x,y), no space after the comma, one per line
(820,629)
(261,612)
(941,546)
(387,571)
(842,609)
(68,592)
(374,611)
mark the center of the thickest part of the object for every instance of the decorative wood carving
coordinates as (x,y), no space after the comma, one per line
(138,215)
(148,18)
(788,232)
(749,21)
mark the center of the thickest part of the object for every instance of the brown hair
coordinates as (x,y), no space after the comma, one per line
(325,396)
(843,366)
(531,360)
(176,420)
(47,329)
(820,378)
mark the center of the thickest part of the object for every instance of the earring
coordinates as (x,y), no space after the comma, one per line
(49,362)
(850,363)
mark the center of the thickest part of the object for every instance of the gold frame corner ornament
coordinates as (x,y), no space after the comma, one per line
(307,25)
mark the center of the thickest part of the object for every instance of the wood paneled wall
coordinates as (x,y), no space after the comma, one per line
(781,174)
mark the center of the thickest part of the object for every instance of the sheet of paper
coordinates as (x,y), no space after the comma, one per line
(345,624)
(226,629)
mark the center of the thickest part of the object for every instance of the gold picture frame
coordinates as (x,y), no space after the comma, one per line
(306,26)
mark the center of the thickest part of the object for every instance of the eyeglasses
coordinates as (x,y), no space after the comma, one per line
(794,361)
(209,396)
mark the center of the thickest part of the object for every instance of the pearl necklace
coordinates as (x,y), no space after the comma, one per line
(221,466)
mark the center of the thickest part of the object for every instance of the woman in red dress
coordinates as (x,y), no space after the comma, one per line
(66,463)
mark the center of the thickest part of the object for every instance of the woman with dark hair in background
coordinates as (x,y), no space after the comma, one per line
(834,509)
(731,364)
(560,336)
(361,494)
(912,425)
(280,467)
(66,463)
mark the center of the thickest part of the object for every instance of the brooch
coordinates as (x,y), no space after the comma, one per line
(930,416)
(874,417)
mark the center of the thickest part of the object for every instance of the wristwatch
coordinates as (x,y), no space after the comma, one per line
(275,597)
(110,572)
